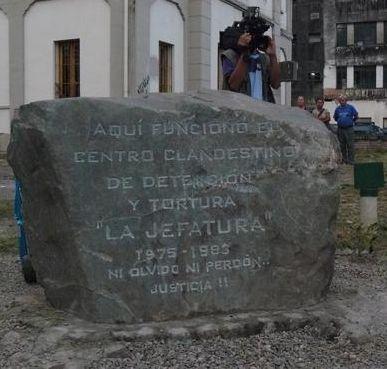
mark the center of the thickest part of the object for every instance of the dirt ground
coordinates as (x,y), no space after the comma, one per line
(351,334)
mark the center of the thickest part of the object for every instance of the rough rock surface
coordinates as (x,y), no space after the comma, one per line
(351,332)
(166,207)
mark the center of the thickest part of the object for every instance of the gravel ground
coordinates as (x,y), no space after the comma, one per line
(33,335)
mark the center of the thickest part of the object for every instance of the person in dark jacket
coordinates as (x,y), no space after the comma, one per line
(252,72)
(346,116)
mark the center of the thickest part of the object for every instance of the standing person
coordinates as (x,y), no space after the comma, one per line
(346,116)
(251,72)
(321,113)
(301,102)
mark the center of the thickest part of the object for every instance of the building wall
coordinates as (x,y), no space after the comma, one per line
(166,25)
(329,76)
(307,50)
(4,74)
(371,102)
(55,20)
(223,16)
(265,6)
(329,33)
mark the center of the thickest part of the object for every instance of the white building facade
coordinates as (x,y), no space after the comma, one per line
(355,36)
(113,48)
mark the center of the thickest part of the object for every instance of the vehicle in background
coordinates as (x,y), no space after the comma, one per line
(367,131)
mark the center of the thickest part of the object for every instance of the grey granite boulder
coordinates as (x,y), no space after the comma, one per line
(175,205)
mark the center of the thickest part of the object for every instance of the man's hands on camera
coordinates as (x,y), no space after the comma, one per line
(244,46)
(239,72)
(271,49)
(244,41)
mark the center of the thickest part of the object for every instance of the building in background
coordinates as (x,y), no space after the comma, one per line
(341,48)
(67,48)
(308,49)
(356,56)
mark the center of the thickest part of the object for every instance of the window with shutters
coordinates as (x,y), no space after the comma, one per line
(365,76)
(365,33)
(165,67)
(341,34)
(67,82)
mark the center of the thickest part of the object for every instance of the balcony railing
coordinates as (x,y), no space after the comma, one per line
(356,93)
(359,50)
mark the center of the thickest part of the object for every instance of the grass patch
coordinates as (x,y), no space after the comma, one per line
(3,159)
(6,209)
(359,239)
(8,243)
(349,232)
(371,155)
(368,156)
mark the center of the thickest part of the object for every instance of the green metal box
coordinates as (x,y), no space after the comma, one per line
(368,178)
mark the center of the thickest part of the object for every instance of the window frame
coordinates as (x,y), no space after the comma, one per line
(364,82)
(67,68)
(166,78)
(343,40)
(341,70)
(364,32)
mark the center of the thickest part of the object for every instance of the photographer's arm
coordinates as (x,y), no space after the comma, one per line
(238,75)
(275,77)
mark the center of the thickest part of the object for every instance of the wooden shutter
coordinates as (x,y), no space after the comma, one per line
(165,67)
(67,60)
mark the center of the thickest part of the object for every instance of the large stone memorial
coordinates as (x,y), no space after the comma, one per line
(166,207)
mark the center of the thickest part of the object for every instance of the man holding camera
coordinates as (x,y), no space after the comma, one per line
(252,72)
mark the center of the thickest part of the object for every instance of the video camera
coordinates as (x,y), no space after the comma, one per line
(252,23)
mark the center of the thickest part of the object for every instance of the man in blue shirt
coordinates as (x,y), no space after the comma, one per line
(346,116)
(252,72)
